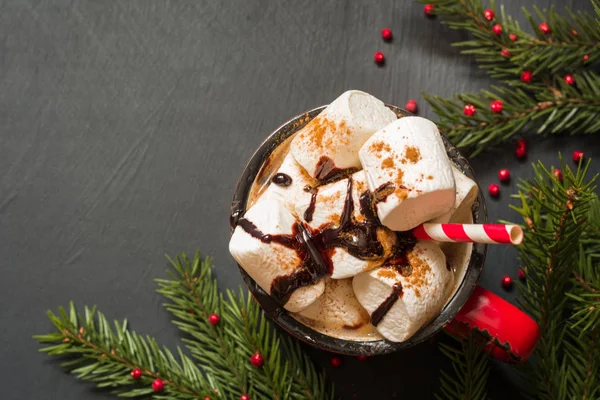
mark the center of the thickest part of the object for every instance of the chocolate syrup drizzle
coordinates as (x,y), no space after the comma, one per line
(326,171)
(281,179)
(316,246)
(309,212)
(387,304)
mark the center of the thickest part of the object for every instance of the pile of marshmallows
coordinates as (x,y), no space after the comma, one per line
(358,131)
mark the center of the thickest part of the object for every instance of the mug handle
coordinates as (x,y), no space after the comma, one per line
(512,333)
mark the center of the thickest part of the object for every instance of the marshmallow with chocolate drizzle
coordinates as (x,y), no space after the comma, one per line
(271,245)
(291,183)
(409,155)
(402,297)
(364,242)
(328,145)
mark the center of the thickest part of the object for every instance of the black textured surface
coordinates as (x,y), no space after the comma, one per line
(124,126)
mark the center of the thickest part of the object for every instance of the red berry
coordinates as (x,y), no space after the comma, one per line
(257,360)
(521,274)
(544,28)
(504,175)
(244,397)
(429,10)
(513,37)
(577,156)
(488,14)
(469,110)
(507,282)
(214,319)
(497,29)
(522,143)
(411,106)
(207,398)
(336,362)
(158,385)
(496,106)
(574,32)
(386,34)
(526,76)
(586,57)
(521,152)
(379,58)
(494,190)
(363,358)
(136,373)
(569,80)
(558,174)
(505,53)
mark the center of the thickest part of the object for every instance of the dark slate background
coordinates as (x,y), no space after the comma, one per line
(125,124)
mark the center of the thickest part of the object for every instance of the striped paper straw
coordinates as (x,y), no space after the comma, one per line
(477,233)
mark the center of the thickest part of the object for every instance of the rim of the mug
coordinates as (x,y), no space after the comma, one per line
(345,346)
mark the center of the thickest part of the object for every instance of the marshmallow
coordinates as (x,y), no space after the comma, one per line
(337,308)
(466,193)
(293,192)
(409,157)
(328,207)
(415,297)
(266,260)
(330,141)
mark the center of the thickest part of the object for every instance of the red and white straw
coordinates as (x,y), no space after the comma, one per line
(476,233)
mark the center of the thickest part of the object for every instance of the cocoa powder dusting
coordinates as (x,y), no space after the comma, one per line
(378,147)
(386,273)
(412,154)
(388,163)
(420,272)
(317,129)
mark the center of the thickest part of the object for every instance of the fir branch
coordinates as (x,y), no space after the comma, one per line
(225,349)
(555,220)
(470,367)
(549,112)
(571,39)
(222,368)
(582,349)
(97,353)
(547,104)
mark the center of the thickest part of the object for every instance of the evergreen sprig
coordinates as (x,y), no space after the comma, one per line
(556,218)
(546,105)
(219,366)
(563,108)
(560,255)
(570,39)
(470,366)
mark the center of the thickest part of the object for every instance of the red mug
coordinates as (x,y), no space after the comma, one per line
(512,334)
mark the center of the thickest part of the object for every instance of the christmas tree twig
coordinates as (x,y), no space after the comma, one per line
(470,368)
(98,353)
(556,215)
(223,334)
(561,258)
(548,83)
(563,47)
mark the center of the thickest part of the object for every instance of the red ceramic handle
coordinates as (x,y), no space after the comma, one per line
(513,334)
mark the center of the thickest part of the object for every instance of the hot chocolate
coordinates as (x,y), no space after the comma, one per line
(331,241)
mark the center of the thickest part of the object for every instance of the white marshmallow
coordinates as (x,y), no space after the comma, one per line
(294,193)
(328,211)
(410,154)
(338,132)
(466,193)
(424,291)
(266,261)
(337,308)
